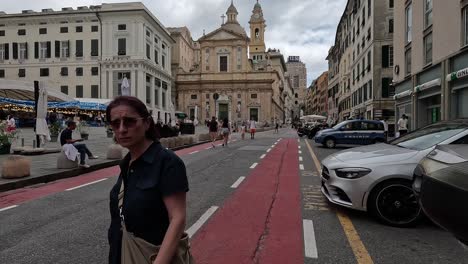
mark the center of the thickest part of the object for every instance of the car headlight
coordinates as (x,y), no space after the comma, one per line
(352,173)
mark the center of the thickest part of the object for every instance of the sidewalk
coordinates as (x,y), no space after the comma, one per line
(44,167)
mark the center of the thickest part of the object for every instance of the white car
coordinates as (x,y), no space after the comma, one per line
(378,178)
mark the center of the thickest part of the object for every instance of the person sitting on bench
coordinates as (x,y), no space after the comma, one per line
(66,138)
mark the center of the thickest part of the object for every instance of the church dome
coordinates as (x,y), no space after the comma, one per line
(232,9)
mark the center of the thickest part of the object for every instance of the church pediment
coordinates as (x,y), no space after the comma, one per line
(222,35)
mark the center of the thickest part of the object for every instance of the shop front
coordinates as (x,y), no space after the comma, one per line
(428,94)
(458,86)
(404,101)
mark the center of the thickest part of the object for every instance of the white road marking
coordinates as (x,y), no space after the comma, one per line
(300,151)
(238,182)
(273,146)
(298,141)
(209,147)
(268,150)
(310,245)
(262,156)
(194,228)
(7,208)
(219,144)
(301,166)
(89,183)
(194,152)
(300,159)
(299,147)
(254,165)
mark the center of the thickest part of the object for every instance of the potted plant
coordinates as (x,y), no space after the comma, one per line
(6,138)
(83,128)
(55,129)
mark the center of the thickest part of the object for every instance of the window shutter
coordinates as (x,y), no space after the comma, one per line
(26,51)
(385,86)
(15,50)
(7,51)
(36,50)
(57,49)
(68,50)
(385,62)
(49,49)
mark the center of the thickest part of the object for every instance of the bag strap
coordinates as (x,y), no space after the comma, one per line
(121,197)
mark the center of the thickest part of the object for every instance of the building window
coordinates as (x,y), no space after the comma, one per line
(391,4)
(94,71)
(409,23)
(148,33)
(79,29)
(296,82)
(239,96)
(369,7)
(156,56)
(427,13)
(408,62)
(428,49)
(390,26)
(79,91)
(122,27)
(2,73)
(44,72)
(207,59)
(94,28)
(387,56)
(42,31)
(223,63)
(148,91)
(65,51)
(239,58)
(64,89)
(64,30)
(253,96)
(79,71)
(79,48)
(21,32)
(2,33)
(64,71)
(465,25)
(122,46)
(369,58)
(296,96)
(163,61)
(387,90)
(358,72)
(23,51)
(44,50)
(94,91)
(193,97)
(94,47)
(148,51)
(369,34)
(22,73)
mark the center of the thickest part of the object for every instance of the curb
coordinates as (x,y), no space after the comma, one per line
(28,181)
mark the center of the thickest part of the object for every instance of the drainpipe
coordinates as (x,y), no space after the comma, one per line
(100,54)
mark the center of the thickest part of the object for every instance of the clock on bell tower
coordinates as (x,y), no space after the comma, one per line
(257,34)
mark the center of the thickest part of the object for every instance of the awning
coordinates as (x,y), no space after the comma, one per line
(403,94)
(457,75)
(72,104)
(93,103)
(427,85)
(22,90)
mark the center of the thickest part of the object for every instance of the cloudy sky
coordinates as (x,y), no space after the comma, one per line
(303,28)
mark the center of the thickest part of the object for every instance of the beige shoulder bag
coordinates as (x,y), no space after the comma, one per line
(138,251)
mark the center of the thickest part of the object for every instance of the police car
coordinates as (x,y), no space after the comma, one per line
(358,132)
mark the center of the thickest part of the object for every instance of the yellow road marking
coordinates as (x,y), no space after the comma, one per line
(359,250)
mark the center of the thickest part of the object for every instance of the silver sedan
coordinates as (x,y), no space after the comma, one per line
(378,178)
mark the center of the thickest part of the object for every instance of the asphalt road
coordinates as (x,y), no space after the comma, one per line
(71,226)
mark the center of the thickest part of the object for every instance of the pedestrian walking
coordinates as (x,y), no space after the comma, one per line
(253,127)
(66,138)
(385,125)
(148,202)
(225,130)
(213,127)
(243,128)
(403,125)
(276,128)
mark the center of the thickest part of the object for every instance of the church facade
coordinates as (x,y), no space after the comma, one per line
(228,82)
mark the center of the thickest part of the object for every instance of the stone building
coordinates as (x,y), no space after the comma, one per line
(86,52)
(431,60)
(297,72)
(227,84)
(361,61)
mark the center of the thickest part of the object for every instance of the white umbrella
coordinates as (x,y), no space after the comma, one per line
(125,86)
(42,129)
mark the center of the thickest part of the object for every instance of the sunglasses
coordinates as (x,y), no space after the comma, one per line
(128,122)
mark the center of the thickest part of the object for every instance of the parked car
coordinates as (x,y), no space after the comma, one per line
(441,184)
(378,178)
(357,132)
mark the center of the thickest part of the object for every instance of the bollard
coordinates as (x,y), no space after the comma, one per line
(34,143)
(22,142)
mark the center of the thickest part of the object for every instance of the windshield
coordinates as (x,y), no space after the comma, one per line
(340,124)
(429,136)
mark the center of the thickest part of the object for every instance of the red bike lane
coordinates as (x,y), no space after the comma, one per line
(262,221)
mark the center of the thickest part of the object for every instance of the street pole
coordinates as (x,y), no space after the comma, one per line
(36,98)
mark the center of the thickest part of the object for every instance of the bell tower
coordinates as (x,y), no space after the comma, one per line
(257,34)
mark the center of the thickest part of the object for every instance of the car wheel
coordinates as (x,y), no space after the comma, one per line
(394,203)
(330,143)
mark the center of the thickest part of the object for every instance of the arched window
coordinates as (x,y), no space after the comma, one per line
(257,33)
(296,95)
